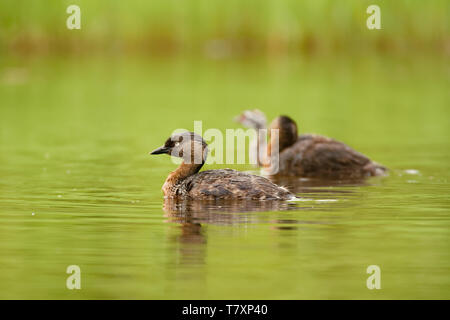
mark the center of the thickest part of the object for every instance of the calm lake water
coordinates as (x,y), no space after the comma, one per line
(77,186)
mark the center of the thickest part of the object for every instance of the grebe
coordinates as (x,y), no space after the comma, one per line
(187,182)
(308,155)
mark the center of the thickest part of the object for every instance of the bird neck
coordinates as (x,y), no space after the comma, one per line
(182,172)
(263,151)
(273,150)
(258,146)
(283,138)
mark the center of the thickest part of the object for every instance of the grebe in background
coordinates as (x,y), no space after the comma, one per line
(308,155)
(187,182)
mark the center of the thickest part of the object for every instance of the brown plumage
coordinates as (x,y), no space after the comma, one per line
(312,155)
(322,157)
(187,182)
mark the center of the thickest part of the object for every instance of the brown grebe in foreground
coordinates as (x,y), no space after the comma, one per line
(308,155)
(187,182)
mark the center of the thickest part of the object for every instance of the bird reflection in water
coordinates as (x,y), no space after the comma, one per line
(303,186)
(193,217)
(221,211)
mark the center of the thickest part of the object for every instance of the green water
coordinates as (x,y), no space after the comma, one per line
(77,186)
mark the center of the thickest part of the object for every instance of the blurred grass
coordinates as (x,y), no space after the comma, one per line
(222,28)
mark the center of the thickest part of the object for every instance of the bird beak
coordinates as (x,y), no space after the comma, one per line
(160,150)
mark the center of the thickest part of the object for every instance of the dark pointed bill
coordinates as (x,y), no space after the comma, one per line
(160,150)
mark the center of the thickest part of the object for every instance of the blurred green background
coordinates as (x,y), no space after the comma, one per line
(80,109)
(223,28)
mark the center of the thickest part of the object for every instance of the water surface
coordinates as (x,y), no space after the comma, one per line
(77,186)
